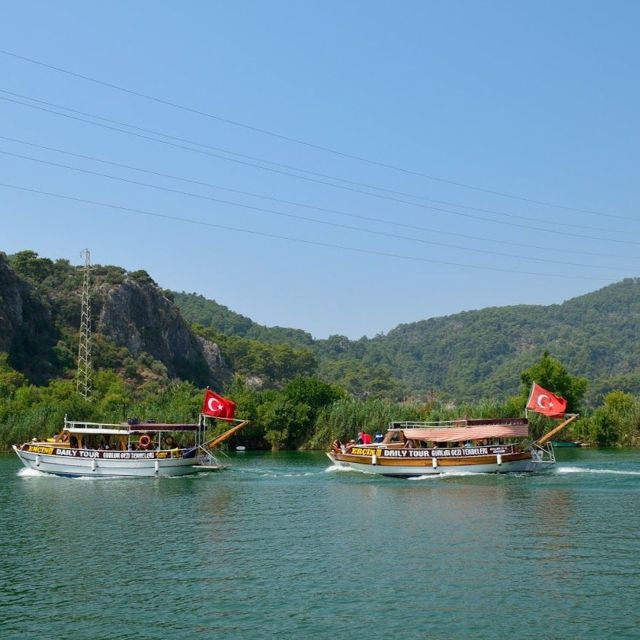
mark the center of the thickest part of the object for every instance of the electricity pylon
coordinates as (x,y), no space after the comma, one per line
(84,346)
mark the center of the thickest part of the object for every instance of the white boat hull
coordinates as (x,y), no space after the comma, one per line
(123,464)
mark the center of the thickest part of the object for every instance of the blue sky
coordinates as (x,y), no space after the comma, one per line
(527,103)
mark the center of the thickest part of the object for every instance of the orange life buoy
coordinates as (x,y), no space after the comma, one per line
(65,436)
(144,442)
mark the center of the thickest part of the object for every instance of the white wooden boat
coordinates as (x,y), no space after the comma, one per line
(124,450)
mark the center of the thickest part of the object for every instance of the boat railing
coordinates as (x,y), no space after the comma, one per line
(543,453)
(460,422)
(85,425)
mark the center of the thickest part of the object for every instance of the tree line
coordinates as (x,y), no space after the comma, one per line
(305,413)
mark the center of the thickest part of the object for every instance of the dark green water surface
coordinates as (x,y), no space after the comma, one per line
(279,547)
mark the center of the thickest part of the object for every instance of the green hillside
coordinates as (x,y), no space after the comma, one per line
(155,350)
(474,354)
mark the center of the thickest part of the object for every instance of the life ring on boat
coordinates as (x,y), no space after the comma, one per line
(144,442)
(65,436)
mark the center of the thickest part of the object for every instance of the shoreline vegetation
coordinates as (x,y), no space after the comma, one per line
(306,414)
(153,351)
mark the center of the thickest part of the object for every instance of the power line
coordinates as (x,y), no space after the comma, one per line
(300,204)
(305,178)
(299,141)
(306,218)
(457,213)
(164,216)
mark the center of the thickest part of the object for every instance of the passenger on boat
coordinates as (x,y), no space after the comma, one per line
(468,444)
(364,437)
(379,437)
(350,444)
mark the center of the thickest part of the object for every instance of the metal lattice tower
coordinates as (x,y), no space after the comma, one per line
(84,346)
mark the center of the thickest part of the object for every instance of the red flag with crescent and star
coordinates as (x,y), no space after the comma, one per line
(216,406)
(545,402)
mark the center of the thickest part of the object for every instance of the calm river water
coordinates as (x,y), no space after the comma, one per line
(278,546)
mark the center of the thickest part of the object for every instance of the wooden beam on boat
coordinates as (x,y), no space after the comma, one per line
(547,436)
(227,434)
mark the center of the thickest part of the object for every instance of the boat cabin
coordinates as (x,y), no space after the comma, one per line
(124,437)
(457,434)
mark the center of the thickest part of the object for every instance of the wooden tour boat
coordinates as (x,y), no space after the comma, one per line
(465,445)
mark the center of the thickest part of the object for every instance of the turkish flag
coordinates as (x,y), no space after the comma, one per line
(545,402)
(216,406)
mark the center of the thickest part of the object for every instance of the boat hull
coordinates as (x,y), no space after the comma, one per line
(522,462)
(120,464)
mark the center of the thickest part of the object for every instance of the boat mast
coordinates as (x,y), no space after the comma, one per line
(545,438)
(83,381)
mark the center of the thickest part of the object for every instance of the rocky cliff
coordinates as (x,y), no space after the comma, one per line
(27,333)
(137,315)
(39,320)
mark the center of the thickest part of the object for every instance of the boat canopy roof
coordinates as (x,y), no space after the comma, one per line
(463,430)
(124,429)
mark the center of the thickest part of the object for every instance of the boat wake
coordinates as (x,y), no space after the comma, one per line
(338,469)
(270,473)
(450,474)
(31,473)
(613,472)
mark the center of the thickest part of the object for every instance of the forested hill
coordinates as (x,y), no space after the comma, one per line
(208,313)
(138,331)
(148,334)
(477,353)
(472,354)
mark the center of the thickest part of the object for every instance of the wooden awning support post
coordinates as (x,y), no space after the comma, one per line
(547,436)
(227,434)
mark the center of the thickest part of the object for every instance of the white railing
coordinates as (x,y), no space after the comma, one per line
(460,422)
(543,454)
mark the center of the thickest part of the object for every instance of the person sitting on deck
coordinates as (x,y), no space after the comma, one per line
(379,437)
(365,437)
